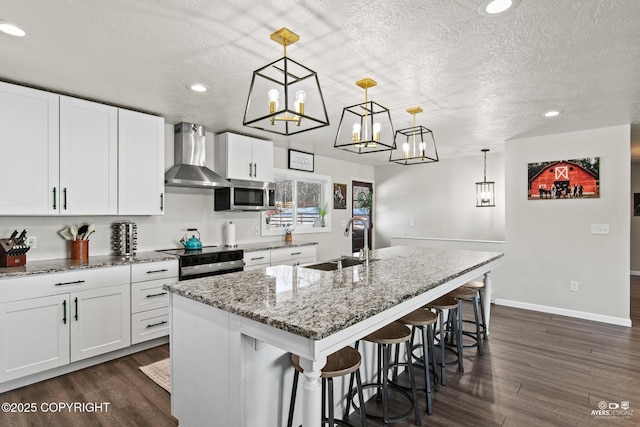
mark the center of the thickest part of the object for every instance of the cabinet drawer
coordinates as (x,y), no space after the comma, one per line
(38,285)
(278,256)
(154,270)
(150,295)
(257,257)
(149,325)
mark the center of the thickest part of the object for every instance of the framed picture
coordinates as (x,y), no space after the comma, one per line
(301,161)
(339,196)
(565,179)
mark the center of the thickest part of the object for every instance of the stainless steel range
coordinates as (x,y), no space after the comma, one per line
(208,261)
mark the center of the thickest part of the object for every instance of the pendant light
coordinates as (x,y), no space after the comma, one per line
(418,144)
(366,127)
(285,96)
(485,190)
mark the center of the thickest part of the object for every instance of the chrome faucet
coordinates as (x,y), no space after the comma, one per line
(365,222)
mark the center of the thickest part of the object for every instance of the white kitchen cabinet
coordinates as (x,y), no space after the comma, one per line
(49,320)
(140,163)
(149,301)
(88,158)
(35,335)
(29,143)
(295,255)
(257,260)
(243,157)
(100,321)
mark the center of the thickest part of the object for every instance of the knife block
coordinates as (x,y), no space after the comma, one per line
(10,260)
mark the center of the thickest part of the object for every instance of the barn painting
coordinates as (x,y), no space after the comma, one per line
(565,179)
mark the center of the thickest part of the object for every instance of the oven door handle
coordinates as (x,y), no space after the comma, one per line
(213,268)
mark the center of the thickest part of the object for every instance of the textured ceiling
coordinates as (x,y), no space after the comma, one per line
(479,80)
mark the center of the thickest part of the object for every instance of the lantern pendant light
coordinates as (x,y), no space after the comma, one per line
(366,127)
(419,145)
(485,190)
(285,96)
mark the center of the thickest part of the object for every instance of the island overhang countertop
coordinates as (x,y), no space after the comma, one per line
(315,304)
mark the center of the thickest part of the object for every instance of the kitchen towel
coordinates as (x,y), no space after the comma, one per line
(231,235)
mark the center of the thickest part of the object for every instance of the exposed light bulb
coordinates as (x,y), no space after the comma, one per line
(273,100)
(376,131)
(405,148)
(301,96)
(356,132)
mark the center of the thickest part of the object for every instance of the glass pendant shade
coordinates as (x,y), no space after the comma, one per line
(285,96)
(416,145)
(485,190)
(366,127)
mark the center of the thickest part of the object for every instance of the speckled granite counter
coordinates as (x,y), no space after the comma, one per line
(273,244)
(65,264)
(315,304)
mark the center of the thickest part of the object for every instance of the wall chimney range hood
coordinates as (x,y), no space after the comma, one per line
(189,169)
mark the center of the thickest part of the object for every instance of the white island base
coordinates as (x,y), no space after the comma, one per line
(224,375)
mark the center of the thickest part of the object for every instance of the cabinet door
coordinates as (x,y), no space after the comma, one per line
(140,164)
(263,160)
(100,321)
(88,157)
(34,335)
(29,147)
(239,157)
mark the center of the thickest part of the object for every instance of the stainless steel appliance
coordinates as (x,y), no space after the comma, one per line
(248,196)
(208,261)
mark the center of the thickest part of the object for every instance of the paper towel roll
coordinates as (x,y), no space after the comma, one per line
(231,235)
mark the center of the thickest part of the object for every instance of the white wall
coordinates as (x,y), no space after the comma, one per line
(188,208)
(635,222)
(440,198)
(549,242)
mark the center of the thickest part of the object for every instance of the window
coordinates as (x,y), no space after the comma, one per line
(300,199)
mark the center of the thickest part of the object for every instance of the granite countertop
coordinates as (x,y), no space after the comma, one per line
(315,304)
(66,264)
(273,244)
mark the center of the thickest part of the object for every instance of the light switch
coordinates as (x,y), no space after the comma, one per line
(599,228)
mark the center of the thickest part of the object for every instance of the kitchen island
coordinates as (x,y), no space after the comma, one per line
(217,322)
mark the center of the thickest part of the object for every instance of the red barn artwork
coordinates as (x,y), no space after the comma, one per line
(565,179)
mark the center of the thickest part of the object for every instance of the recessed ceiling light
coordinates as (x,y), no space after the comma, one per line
(552,113)
(199,87)
(496,7)
(12,29)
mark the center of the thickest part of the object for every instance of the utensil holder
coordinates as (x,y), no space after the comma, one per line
(80,250)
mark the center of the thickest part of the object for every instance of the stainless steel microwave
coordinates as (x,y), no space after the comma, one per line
(247,196)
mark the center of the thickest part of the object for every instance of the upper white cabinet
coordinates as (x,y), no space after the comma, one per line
(29,146)
(140,164)
(243,157)
(68,156)
(88,158)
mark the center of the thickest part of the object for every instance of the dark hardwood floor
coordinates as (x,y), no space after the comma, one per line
(538,370)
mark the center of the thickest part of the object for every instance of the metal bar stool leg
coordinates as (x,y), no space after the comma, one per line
(427,375)
(457,326)
(478,333)
(433,355)
(443,359)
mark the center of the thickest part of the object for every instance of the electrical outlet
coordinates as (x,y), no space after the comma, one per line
(412,222)
(599,228)
(574,286)
(257,231)
(32,241)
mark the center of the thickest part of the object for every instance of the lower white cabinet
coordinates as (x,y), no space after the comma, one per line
(281,256)
(35,335)
(50,320)
(100,321)
(149,302)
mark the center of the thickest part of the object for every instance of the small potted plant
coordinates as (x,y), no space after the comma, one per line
(323,213)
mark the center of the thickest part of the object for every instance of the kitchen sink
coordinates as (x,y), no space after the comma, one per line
(333,264)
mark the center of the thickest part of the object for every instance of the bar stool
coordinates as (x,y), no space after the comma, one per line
(422,319)
(386,337)
(468,294)
(450,328)
(478,285)
(341,363)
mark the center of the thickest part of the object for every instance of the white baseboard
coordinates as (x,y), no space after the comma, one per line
(635,273)
(566,312)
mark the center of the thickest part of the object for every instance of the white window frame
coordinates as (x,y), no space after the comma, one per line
(327,185)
